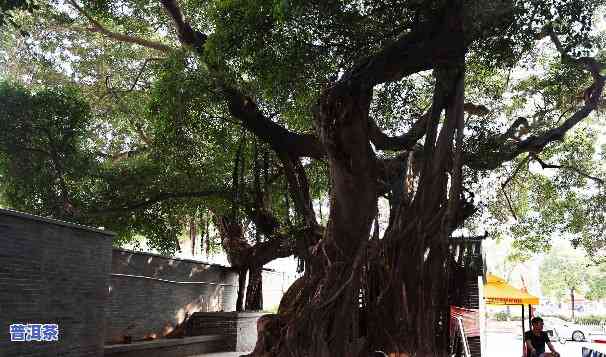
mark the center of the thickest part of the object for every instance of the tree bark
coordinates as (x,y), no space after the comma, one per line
(572,304)
(241,289)
(254,290)
(192,235)
(237,250)
(320,314)
(249,259)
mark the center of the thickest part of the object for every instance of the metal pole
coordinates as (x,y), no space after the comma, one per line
(463,337)
(530,316)
(523,320)
(523,326)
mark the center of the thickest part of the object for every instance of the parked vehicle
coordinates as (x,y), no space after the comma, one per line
(569,330)
(554,335)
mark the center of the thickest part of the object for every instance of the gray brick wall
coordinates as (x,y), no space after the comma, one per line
(239,328)
(53,272)
(58,272)
(151,294)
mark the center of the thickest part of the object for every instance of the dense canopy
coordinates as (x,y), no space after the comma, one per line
(145,117)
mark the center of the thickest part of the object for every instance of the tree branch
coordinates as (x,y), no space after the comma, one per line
(519,123)
(545,165)
(417,51)
(277,247)
(299,189)
(187,35)
(591,64)
(515,172)
(279,138)
(456,112)
(475,109)
(122,155)
(159,198)
(282,246)
(97,27)
(504,185)
(406,141)
(536,143)
(433,41)
(243,107)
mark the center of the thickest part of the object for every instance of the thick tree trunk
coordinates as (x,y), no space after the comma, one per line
(360,294)
(250,259)
(572,304)
(241,289)
(192,235)
(237,250)
(254,290)
(320,314)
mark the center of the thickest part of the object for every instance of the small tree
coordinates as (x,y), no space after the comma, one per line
(563,272)
(597,284)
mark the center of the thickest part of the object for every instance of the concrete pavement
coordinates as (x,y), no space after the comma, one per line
(510,345)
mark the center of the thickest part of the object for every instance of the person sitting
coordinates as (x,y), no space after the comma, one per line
(536,339)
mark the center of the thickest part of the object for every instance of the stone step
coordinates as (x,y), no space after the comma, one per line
(222,354)
(173,347)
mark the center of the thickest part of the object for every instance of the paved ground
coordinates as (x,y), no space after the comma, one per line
(498,344)
(510,345)
(221,354)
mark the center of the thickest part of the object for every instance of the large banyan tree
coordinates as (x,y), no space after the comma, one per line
(409,103)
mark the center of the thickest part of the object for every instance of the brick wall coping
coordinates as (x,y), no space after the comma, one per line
(10,212)
(172,258)
(169,281)
(187,260)
(231,314)
(163,342)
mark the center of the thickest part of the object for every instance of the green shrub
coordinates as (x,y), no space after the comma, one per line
(502,316)
(590,319)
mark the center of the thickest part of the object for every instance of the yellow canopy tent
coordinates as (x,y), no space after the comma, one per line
(498,292)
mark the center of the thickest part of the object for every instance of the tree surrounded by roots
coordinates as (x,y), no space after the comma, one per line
(402,100)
